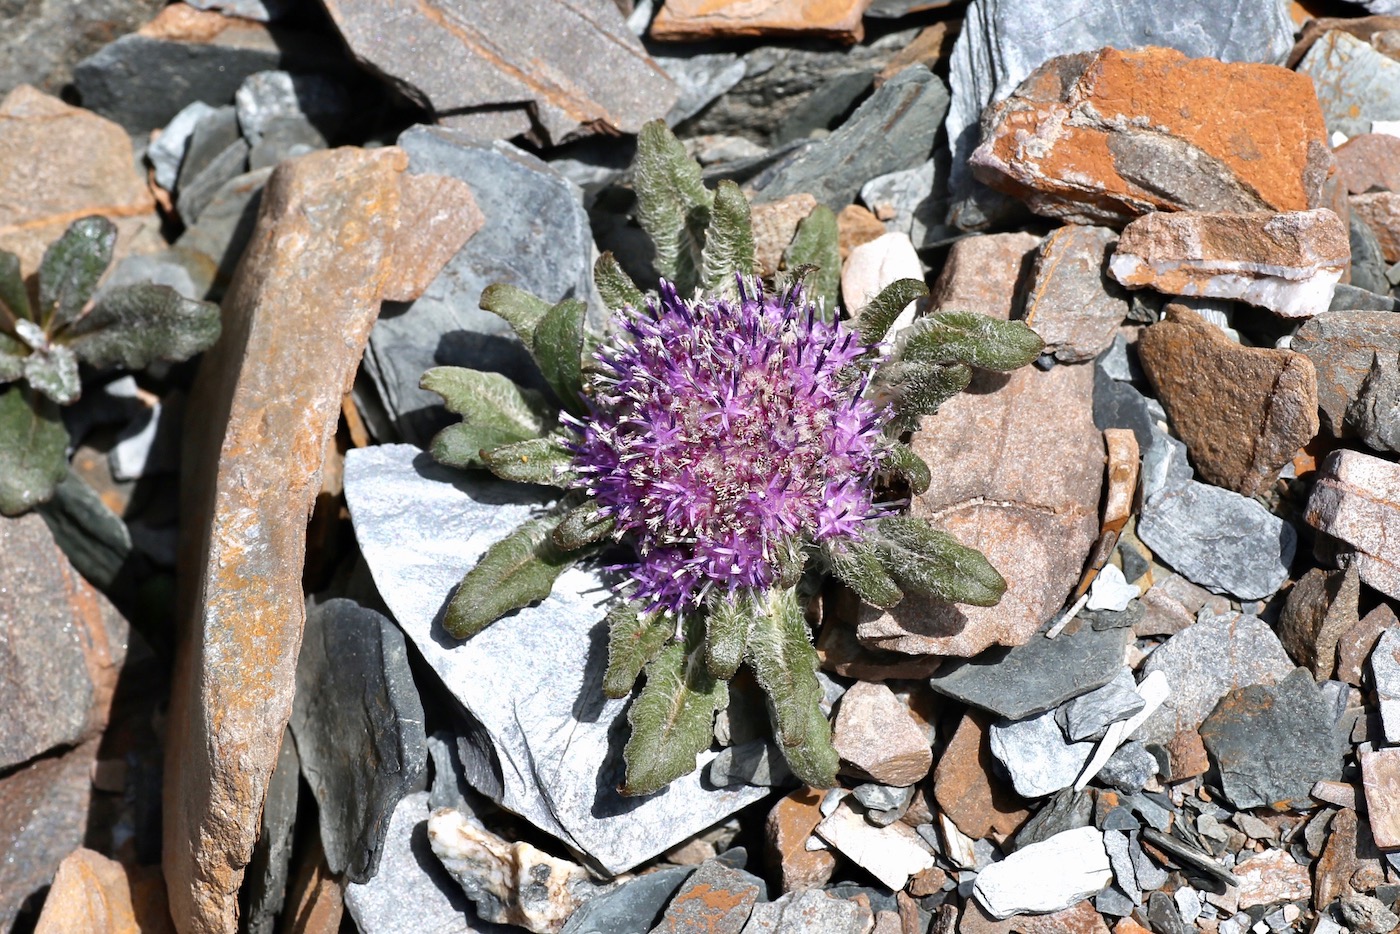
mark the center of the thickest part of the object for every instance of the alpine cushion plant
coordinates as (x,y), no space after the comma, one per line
(741,442)
(46,332)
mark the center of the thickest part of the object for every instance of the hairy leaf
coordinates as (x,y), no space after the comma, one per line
(910,466)
(71,267)
(634,638)
(537,460)
(817,244)
(780,653)
(521,309)
(927,561)
(518,570)
(729,245)
(614,285)
(582,525)
(490,399)
(673,718)
(33,449)
(673,204)
(874,321)
(915,389)
(814,760)
(971,338)
(727,625)
(54,372)
(136,325)
(12,354)
(463,445)
(558,349)
(14,297)
(859,566)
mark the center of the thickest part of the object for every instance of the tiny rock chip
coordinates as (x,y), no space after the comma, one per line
(1272,876)
(698,20)
(1047,876)
(1286,262)
(1243,412)
(877,738)
(1355,501)
(789,826)
(967,787)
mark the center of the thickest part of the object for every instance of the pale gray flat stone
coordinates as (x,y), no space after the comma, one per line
(1048,876)
(1355,83)
(1037,755)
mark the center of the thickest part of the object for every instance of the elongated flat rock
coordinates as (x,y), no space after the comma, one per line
(1356,502)
(1047,876)
(532,680)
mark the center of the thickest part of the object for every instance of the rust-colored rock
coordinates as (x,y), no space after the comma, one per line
(877,738)
(789,827)
(1368,162)
(267,400)
(1380,776)
(1272,876)
(774,224)
(1320,608)
(1356,642)
(59,163)
(1243,412)
(437,215)
(1350,854)
(1104,136)
(697,20)
(985,274)
(856,225)
(92,893)
(966,786)
(929,48)
(1381,212)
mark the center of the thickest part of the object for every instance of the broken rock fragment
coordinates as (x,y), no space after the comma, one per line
(1369,162)
(877,738)
(1047,876)
(1380,776)
(700,20)
(1321,607)
(1285,262)
(1356,502)
(1381,212)
(1072,304)
(790,825)
(1356,84)
(1343,346)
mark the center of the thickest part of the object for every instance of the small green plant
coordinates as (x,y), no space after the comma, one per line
(47,331)
(738,438)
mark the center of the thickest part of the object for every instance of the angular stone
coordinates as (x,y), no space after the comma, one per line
(217,153)
(1367,915)
(1036,754)
(967,786)
(1367,266)
(267,97)
(1062,143)
(700,79)
(1242,411)
(855,225)
(1374,415)
(225,226)
(1047,876)
(1271,743)
(1381,213)
(1202,664)
(1350,853)
(911,202)
(1354,646)
(872,266)
(269,868)
(555,760)
(1368,162)
(93,893)
(167,151)
(44,41)
(789,826)
(985,273)
(1320,608)
(702,20)
(1356,84)
(629,908)
(1342,346)
(893,854)
(1021,467)
(716,899)
(59,163)
(64,645)
(541,66)
(1380,776)
(1080,918)
(295,322)
(1072,304)
(1272,876)
(811,910)
(1287,263)
(358,725)
(1353,502)
(1385,677)
(1087,716)
(876,737)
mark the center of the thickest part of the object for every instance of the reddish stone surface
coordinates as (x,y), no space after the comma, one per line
(966,786)
(774,224)
(692,20)
(1350,853)
(1356,501)
(1369,161)
(878,739)
(1080,918)
(1342,346)
(790,825)
(1381,212)
(1356,642)
(856,225)
(985,273)
(95,894)
(1380,776)
(1320,608)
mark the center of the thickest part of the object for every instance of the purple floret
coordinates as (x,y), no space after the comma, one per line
(724,434)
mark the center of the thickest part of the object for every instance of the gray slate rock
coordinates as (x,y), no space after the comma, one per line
(1367,261)
(358,724)
(177,268)
(536,236)
(1271,744)
(216,154)
(1129,769)
(1385,675)
(1019,682)
(1117,404)
(285,138)
(1114,901)
(1003,41)
(893,130)
(884,804)
(806,911)
(631,908)
(1350,298)
(1036,754)
(1119,848)
(1065,810)
(548,744)
(269,96)
(1355,83)
(1149,875)
(757,763)
(699,79)
(226,224)
(265,881)
(168,150)
(42,41)
(1087,716)
(1374,415)
(916,197)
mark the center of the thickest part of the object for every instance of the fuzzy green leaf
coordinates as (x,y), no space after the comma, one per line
(924,560)
(817,244)
(727,625)
(614,285)
(33,449)
(582,526)
(518,570)
(874,321)
(634,638)
(536,460)
(729,245)
(71,267)
(971,338)
(14,297)
(12,354)
(463,445)
(521,309)
(136,325)
(904,462)
(859,566)
(54,372)
(673,204)
(780,653)
(814,760)
(915,389)
(490,400)
(558,349)
(673,718)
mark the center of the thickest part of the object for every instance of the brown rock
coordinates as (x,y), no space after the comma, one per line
(774,224)
(1342,345)
(985,273)
(855,225)
(437,216)
(698,20)
(1381,212)
(1356,642)
(267,400)
(43,816)
(1287,263)
(1102,137)
(315,902)
(1072,303)
(1188,754)
(877,738)
(716,899)
(1368,162)
(929,48)
(1380,776)
(1321,606)
(1020,467)
(1355,500)
(1350,854)
(1129,926)
(789,827)
(59,163)
(927,882)
(1081,918)
(887,922)
(840,652)
(1272,876)
(61,646)
(966,786)
(1242,411)
(92,893)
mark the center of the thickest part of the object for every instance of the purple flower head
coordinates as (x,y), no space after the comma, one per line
(724,434)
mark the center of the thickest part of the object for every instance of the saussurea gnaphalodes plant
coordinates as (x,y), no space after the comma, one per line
(739,440)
